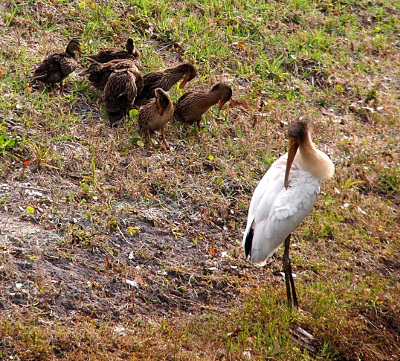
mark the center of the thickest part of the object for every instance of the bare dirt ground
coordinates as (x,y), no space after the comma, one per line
(149,272)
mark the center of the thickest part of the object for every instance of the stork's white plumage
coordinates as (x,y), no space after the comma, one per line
(284,196)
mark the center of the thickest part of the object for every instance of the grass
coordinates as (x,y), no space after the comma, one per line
(106,195)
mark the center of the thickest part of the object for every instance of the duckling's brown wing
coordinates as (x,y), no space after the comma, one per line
(99,73)
(151,82)
(120,92)
(104,56)
(119,95)
(185,96)
(49,70)
(139,82)
(68,65)
(55,68)
(100,77)
(180,113)
(151,118)
(146,114)
(119,84)
(183,111)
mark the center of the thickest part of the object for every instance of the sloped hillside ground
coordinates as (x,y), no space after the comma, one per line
(97,230)
(112,275)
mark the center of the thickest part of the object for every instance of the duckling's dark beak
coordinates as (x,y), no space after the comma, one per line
(183,82)
(82,73)
(80,51)
(293,146)
(221,103)
(90,59)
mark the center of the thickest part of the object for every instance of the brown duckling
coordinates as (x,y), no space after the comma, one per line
(156,114)
(192,105)
(104,56)
(56,67)
(119,94)
(99,72)
(165,79)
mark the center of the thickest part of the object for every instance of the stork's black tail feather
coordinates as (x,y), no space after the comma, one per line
(248,243)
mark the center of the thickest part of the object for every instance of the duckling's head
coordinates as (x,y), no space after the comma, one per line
(116,118)
(133,50)
(130,46)
(225,93)
(93,67)
(74,47)
(188,71)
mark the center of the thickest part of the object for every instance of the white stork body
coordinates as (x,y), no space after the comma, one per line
(276,211)
(280,202)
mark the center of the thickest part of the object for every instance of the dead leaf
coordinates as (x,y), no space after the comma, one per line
(137,282)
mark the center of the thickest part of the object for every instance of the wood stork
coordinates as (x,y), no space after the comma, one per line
(284,196)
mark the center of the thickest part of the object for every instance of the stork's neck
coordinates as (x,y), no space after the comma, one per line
(313,160)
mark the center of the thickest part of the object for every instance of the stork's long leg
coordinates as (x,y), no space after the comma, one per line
(287,267)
